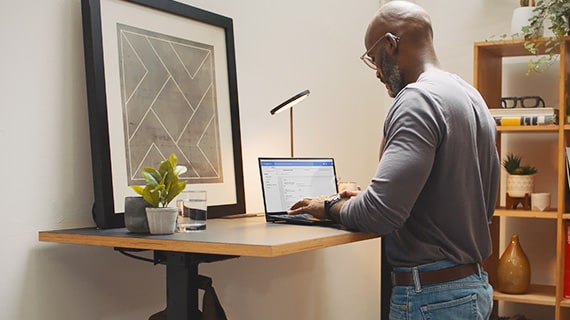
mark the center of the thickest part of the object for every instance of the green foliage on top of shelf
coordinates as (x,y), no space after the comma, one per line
(558,13)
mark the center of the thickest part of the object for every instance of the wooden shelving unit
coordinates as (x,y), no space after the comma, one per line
(537,294)
(488,79)
(502,212)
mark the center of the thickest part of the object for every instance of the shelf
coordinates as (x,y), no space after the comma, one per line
(538,294)
(488,78)
(533,129)
(509,48)
(502,212)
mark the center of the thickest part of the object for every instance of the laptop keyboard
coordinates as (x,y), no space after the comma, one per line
(301,216)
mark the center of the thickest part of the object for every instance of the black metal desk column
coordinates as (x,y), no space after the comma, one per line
(182,282)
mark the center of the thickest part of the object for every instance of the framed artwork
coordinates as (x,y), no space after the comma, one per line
(161,79)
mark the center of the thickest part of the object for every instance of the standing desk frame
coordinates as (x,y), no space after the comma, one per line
(223,239)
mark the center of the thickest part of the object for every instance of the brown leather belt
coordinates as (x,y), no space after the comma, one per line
(437,276)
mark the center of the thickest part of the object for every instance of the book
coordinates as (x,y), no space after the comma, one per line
(526,120)
(515,112)
(567,206)
(568,165)
(567,260)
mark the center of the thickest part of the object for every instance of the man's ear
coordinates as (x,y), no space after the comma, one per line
(393,44)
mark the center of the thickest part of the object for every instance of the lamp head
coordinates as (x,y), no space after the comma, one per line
(290,102)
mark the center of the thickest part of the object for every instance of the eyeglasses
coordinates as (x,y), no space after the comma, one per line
(369,61)
(525,101)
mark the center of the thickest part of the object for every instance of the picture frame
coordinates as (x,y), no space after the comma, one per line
(200,40)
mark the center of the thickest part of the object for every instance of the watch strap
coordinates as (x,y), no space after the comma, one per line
(329,203)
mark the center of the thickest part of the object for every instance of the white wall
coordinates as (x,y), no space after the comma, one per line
(282,47)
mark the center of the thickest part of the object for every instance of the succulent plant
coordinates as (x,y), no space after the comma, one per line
(513,165)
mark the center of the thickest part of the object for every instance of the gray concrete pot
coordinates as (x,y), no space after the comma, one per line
(135,215)
(162,220)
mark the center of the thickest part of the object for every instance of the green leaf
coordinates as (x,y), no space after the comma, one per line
(175,190)
(151,197)
(180,170)
(173,159)
(158,195)
(151,176)
(164,167)
(138,189)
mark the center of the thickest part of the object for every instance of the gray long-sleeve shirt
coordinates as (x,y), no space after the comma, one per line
(436,184)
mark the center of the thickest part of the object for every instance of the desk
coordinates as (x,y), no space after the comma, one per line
(223,239)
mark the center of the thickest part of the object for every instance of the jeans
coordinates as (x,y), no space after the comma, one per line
(469,298)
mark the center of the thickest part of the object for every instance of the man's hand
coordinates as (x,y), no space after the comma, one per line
(350,186)
(314,206)
(350,193)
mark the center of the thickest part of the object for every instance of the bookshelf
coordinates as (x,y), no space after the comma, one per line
(488,60)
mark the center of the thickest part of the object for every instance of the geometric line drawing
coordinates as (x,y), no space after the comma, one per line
(168,95)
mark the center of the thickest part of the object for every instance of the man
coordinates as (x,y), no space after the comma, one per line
(436,185)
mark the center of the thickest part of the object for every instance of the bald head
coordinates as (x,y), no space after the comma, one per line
(399,41)
(402,18)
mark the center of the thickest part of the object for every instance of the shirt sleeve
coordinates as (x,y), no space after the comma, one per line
(412,131)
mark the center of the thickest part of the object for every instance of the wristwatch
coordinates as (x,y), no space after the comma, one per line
(329,203)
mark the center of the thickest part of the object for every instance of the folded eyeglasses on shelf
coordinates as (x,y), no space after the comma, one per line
(525,102)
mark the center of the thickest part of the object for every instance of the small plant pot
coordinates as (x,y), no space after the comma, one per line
(520,185)
(521,17)
(162,220)
(135,215)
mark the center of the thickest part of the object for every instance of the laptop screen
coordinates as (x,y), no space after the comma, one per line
(284,181)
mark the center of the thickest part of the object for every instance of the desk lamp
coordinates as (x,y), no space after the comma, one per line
(288,104)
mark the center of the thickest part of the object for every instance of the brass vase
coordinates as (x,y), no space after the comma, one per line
(513,270)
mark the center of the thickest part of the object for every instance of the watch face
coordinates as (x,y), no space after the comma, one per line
(334,199)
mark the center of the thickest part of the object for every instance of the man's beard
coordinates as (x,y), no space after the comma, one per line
(392,76)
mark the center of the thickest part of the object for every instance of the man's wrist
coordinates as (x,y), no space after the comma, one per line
(329,203)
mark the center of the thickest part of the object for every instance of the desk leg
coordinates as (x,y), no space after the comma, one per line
(181,289)
(182,282)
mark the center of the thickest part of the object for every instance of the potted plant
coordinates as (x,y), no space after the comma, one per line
(520,178)
(162,186)
(522,16)
(555,12)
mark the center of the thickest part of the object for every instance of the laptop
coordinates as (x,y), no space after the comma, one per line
(284,181)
